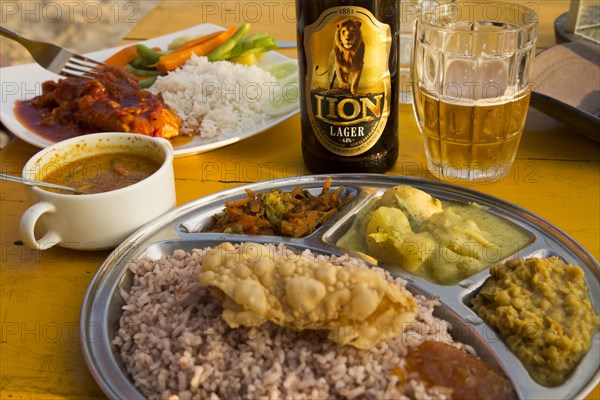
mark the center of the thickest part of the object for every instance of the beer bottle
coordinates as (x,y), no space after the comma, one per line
(348,59)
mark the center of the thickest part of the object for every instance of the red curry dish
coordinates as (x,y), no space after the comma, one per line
(110,102)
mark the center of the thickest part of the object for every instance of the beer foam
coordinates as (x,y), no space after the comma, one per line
(471,81)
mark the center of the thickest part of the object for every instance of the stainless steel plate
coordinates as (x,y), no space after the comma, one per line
(101,309)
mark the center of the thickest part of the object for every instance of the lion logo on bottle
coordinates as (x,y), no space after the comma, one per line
(347,58)
(349,86)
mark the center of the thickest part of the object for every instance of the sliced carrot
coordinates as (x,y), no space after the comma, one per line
(198,41)
(123,56)
(176,59)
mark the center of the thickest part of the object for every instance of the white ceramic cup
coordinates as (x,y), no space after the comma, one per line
(100,220)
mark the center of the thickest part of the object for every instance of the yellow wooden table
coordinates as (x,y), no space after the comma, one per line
(556,175)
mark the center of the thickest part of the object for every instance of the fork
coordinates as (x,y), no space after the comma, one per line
(55,58)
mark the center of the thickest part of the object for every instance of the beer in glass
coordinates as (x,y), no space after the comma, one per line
(472,69)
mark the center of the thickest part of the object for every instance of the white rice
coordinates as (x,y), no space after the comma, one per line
(175,345)
(216,99)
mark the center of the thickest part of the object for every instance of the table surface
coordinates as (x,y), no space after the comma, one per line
(556,175)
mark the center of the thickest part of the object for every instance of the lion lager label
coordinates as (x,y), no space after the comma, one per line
(348,61)
(347,88)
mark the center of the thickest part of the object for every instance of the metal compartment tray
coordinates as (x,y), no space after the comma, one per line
(177,229)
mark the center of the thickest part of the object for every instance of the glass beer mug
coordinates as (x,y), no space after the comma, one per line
(472,70)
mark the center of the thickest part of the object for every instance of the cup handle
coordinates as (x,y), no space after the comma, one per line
(27,227)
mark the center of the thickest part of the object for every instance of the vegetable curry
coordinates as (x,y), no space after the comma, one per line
(297,213)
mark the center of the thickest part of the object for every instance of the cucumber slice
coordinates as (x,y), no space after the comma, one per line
(283,69)
(286,97)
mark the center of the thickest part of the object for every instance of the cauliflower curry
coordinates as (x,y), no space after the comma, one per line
(444,243)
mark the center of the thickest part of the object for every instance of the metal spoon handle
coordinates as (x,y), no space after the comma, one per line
(12,178)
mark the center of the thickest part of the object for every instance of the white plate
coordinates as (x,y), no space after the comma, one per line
(23,82)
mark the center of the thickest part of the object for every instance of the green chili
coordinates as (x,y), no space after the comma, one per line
(142,72)
(148,54)
(146,83)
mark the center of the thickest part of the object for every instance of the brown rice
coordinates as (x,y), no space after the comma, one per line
(176,346)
